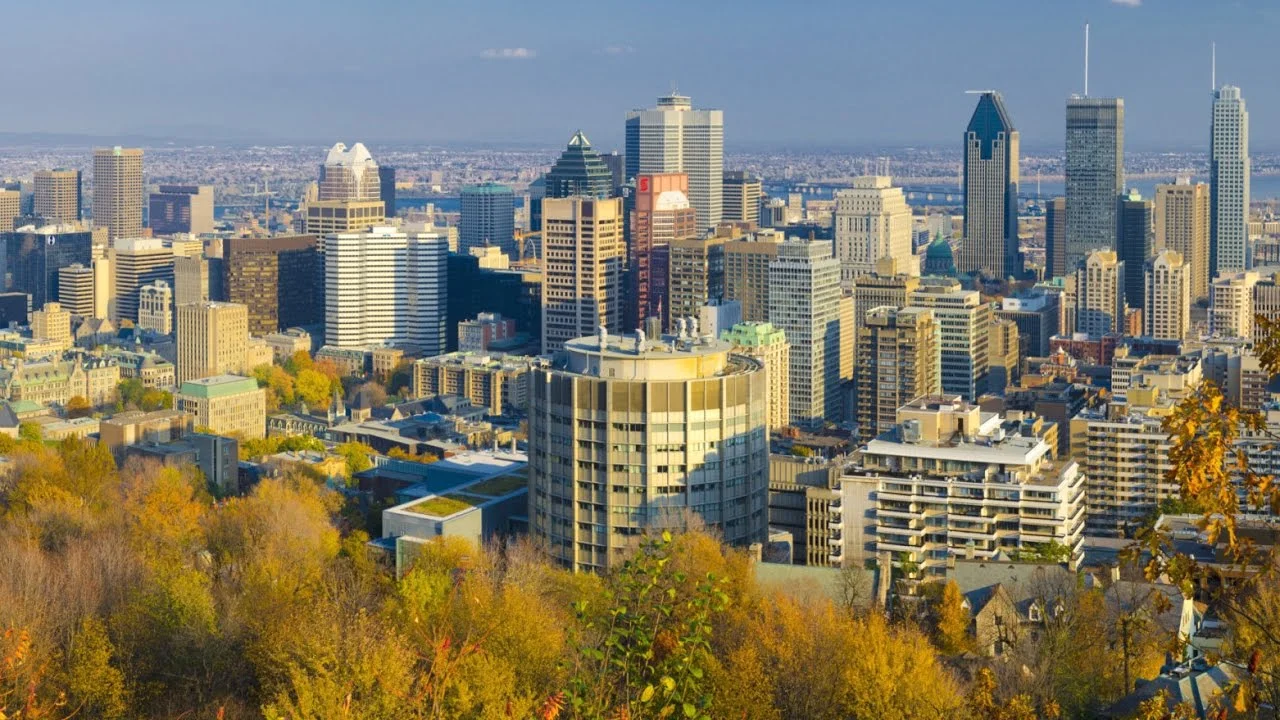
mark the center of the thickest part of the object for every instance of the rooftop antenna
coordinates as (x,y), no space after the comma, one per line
(1213,66)
(1086,59)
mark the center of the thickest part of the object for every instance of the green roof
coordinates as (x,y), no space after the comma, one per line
(754,334)
(444,505)
(218,386)
(499,486)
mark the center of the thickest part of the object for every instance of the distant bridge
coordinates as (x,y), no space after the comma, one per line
(916,194)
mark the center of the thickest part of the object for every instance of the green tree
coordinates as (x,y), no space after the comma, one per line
(357,456)
(30,432)
(96,686)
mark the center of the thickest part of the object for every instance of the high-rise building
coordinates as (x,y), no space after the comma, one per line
(872,223)
(212,338)
(155,307)
(32,258)
(746,273)
(1167,311)
(804,302)
(673,137)
(695,275)
(583,253)
(660,214)
(326,217)
(53,323)
(990,192)
(617,165)
(1094,175)
(1004,355)
(56,198)
(579,171)
(191,280)
(742,192)
(1100,291)
(964,324)
(387,189)
(75,289)
(594,493)
(897,363)
(1055,238)
(1231,304)
(1229,183)
(386,287)
(1135,243)
(181,209)
(136,262)
(873,291)
(117,191)
(488,218)
(1182,225)
(769,345)
(1037,316)
(349,174)
(10,209)
(280,279)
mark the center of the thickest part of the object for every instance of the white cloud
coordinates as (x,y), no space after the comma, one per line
(1128,3)
(618,50)
(508,54)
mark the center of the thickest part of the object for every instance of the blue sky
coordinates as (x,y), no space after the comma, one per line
(849,73)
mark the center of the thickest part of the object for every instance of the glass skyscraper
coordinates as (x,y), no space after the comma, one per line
(1229,183)
(675,138)
(488,218)
(990,192)
(1095,174)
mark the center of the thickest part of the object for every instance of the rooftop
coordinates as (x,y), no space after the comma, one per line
(218,386)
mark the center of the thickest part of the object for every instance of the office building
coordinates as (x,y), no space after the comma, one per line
(1182,225)
(583,254)
(191,279)
(764,342)
(386,287)
(349,174)
(964,323)
(33,257)
(488,219)
(675,138)
(181,209)
(1055,238)
(117,191)
(280,279)
(155,307)
(10,209)
(327,217)
(617,165)
(56,198)
(1004,356)
(515,294)
(1229,171)
(990,192)
(804,502)
(75,290)
(1100,293)
(487,331)
(695,275)
(212,339)
(1094,177)
(55,381)
(597,487)
(944,454)
(226,405)
(746,273)
(1266,302)
(873,291)
(741,191)
(804,303)
(52,323)
(387,189)
(1037,317)
(579,171)
(872,223)
(1231,305)
(136,262)
(897,362)
(1135,243)
(1167,311)
(660,215)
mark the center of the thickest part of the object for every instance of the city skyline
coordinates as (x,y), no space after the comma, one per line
(218,94)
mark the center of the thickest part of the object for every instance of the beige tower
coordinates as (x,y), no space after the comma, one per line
(746,274)
(75,289)
(1231,304)
(1167,311)
(873,291)
(897,363)
(57,195)
(695,270)
(583,249)
(117,191)
(212,339)
(1182,225)
(52,323)
(155,307)
(10,208)
(872,222)
(135,262)
(767,344)
(1100,294)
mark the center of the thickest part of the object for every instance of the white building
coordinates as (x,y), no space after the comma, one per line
(349,174)
(1100,294)
(675,138)
(1231,304)
(804,302)
(1229,183)
(1167,310)
(386,287)
(872,222)
(964,326)
(155,307)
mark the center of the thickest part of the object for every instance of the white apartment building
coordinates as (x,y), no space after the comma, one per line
(1100,294)
(1231,304)
(1167,310)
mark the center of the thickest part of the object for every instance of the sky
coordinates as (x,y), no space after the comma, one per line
(818,74)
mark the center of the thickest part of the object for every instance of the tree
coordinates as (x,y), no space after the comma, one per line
(30,432)
(399,453)
(155,399)
(314,388)
(356,455)
(953,620)
(79,406)
(96,685)
(299,361)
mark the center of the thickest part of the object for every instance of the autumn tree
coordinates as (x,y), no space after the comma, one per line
(953,620)
(79,406)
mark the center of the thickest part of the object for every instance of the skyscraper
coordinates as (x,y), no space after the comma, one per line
(136,262)
(769,345)
(579,171)
(990,192)
(872,223)
(117,191)
(1167,311)
(33,257)
(673,137)
(181,209)
(57,195)
(387,189)
(1182,225)
(583,253)
(1055,238)
(1100,292)
(191,280)
(488,218)
(280,279)
(155,307)
(1095,175)
(746,273)
(1229,183)
(10,209)
(1135,242)
(661,214)
(349,174)
(75,289)
(804,302)
(964,323)
(212,338)
(742,192)
(897,363)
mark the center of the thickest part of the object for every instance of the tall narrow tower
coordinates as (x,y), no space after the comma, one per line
(1095,174)
(1229,183)
(990,191)
(117,191)
(675,138)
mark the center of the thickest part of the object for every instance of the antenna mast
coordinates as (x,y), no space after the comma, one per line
(1213,66)
(1086,59)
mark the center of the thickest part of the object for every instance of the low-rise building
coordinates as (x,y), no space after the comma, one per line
(385,361)
(57,381)
(135,426)
(226,404)
(286,343)
(148,367)
(802,493)
(217,458)
(498,383)
(351,362)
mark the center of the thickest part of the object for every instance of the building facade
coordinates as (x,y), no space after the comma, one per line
(1135,243)
(1094,175)
(964,324)
(746,273)
(583,254)
(56,197)
(741,191)
(1229,171)
(872,223)
(769,345)
(155,307)
(212,339)
(804,302)
(117,191)
(1167,311)
(660,215)
(280,280)
(135,262)
(1100,293)
(1182,225)
(226,405)
(675,138)
(897,362)
(497,383)
(488,218)
(990,192)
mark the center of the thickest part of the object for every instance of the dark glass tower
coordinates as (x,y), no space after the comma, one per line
(387,189)
(1094,175)
(32,258)
(579,171)
(990,192)
(1055,238)
(1135,241)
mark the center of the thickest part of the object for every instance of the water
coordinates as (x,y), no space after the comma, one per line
(443,204)
(1261,187)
